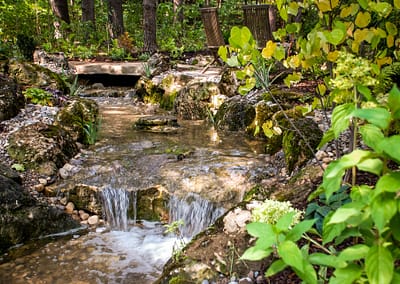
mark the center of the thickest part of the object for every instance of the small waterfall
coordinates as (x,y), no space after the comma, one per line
(195,212)
(116,203)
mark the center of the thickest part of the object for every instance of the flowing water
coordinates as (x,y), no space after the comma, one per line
(213,175)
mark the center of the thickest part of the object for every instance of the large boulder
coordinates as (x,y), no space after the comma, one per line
(78,114)
(236,113)
(11,99)
(23,219)
(29,74)
(42,147)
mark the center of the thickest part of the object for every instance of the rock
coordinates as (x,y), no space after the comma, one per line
(152,204)
(229,84)
(70,207)
(93,220)
(76,115)
(11,99)
(235,114)
(10,173)
(42,147)
(236,220)
(297,152)
(194,101)
(64,201)
(54,61)
(85,197)
(23,219)
(159,124)
(31,75)
(83,215)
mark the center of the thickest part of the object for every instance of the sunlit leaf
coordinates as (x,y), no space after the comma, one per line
(379,265)
(355,252)
(275,267)
(379,117)
(388,183)
(279,53)
(383,208)
(223,53)
(391,28)
(327,5)
(292,78)
(391,147)
(382,8)
(396,4)
(394,100)
(335,37)
(372,136)
(363,19)
(269,49)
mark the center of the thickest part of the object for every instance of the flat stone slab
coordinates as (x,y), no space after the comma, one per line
(109,68)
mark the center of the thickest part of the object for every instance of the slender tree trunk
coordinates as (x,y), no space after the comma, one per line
(88,14)
(149,25)
(60,9)
(178,13)
(115,18)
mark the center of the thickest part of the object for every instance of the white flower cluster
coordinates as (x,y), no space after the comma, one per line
(270,211)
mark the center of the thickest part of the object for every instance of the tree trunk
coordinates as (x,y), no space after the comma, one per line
(115,18)
(149,25)
(88,14)
(60,9)
(273,11)
(178,13)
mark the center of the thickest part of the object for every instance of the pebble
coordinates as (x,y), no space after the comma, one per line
(70,207)
(93,220)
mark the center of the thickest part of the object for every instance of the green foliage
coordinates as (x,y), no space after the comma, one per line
(91,130)
(174,228)
(38,96)
(368,223)
(319,209)
(252,67)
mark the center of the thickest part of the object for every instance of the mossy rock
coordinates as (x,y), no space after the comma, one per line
(152,204)
(296,150)
(147,91)
(31,75)
(85,197)
(39,144)
(235,114)
(75,115)
(11,99)
(193,102)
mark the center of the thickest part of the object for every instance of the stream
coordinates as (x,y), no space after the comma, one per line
(211,177)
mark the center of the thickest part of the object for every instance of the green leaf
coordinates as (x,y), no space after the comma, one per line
(379,265)
(394,99)
(241,38)
(383,208)
(255,253)
(372,136)
(341,118)
(355,252)
(291,254)
(366,92)
(233,61)
(335,36)
(329,135)
(342,214)
(223,53)
(347,275)
(379,117)
(391,147)
(388,183)
(363,3)
(373,166)
(331,231)
(279,53)
(395,227)
(285,221)
(292,78)
(259,229)
(299,229)
(18,167)
(336,169)
(391,28)
(276,267)
(382,8)
(326,260)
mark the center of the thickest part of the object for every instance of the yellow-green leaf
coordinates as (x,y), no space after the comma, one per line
(390,41)
(391,28)
(396,4)
(269,49)
(279,53)
(345,12)
(363,19)
(327,5)
(293,8)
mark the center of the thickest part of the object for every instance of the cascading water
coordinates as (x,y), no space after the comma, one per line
(195,212)
(116,204)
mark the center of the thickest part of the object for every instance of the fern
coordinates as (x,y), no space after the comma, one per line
(389,75)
